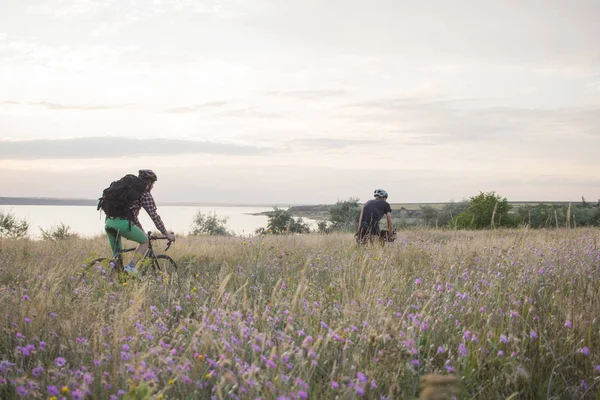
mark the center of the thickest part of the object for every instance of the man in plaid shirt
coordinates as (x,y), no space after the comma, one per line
(133,230)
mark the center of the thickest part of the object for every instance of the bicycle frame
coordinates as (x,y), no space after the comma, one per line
(148,254)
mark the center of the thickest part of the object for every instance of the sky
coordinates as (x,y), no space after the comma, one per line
(301,101)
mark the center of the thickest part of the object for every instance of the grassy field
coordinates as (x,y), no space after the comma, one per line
(508,314)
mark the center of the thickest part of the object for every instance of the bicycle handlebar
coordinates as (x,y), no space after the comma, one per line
(151,237)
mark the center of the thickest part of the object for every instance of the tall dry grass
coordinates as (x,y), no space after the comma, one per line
(498,314)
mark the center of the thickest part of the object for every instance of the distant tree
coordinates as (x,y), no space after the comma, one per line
(429,215)
(11,227)
(451,211)
(59,232)
(281,221)
(344,215)
(209,224)
(486,210)
(323,227)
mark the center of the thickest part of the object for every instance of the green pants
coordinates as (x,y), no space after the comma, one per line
(117,227)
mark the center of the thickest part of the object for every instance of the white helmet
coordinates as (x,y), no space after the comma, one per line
(380,194)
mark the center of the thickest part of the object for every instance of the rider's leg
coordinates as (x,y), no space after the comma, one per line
(137,235)
(113,237)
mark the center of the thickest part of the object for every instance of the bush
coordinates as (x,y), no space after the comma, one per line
(11,227)
(486,210)
(210,224)
(344,215)
(60,232)
(281,221)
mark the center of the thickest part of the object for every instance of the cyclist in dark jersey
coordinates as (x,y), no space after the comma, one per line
(371,213)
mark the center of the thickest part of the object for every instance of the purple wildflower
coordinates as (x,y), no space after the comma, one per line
(503,338)
(52,390)
(61,362)
(302,394)
(533,334)
(361,377)
(336,385)
(584,350)
(569,324)
(440,350)
(462,350)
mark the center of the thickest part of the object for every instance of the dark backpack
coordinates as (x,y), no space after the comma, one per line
(117,198)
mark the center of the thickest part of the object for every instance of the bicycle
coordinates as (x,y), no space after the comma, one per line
(160,264)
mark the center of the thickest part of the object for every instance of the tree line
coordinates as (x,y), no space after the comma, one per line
(483,211)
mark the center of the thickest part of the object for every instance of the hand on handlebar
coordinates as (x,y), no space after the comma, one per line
(170,236)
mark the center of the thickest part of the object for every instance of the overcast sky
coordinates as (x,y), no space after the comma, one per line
(301,101)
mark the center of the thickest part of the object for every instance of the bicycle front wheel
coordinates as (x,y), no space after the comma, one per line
(165,268)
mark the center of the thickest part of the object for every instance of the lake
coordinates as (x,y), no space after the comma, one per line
(86,221)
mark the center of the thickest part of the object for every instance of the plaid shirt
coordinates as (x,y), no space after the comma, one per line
(147,202)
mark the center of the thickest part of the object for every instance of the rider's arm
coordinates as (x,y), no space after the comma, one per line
(389,223)
(362,209)
(149,205)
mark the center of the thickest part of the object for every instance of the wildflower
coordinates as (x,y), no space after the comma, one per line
(336,385)
(77,395)
(27,320)
(584,385)
(462,349)
(440,350)
(361,377)
(64,390)
(21,391)
(503,338)
(569,324)
(80,340)
(52,390)
(500,353)
(37,371)
(302,394)
(25,297)
(450,369)
(359,390)
(415,363)
(597,368)
(533,334)
(52,315)
(60,362)
(171,381)
(584,350)
(373,384)
(53,398)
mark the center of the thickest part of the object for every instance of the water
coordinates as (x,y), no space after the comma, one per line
(86,221)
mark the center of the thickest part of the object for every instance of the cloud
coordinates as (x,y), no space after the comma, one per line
(248,112)
(114,147)
(63,8)
(196,108)
(442,120)
(309,94)
(330,143)
(65,107)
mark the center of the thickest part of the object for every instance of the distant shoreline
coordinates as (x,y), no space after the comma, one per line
(47,201)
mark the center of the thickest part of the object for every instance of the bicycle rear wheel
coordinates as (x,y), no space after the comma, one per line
(165,268)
